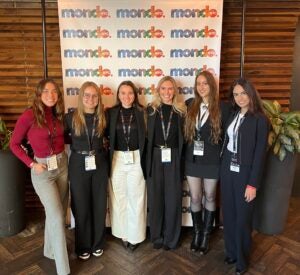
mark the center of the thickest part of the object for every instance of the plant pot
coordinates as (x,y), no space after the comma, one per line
(12,194)
(272,202)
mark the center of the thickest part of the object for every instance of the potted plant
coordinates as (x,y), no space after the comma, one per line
(12,189)
(272,200)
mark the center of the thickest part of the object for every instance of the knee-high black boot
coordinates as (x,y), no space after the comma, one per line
(198,228)
(208,224)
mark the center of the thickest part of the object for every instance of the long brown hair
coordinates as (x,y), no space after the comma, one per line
(38,106)
(78,122)
(178,106)
(255,104)
(213,108)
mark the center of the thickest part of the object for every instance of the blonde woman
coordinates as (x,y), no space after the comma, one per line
(42,126)
(88,171)
(164,178)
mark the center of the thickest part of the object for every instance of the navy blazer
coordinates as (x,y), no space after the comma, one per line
(212,150)
(150,137)
(252,144)
(112,118)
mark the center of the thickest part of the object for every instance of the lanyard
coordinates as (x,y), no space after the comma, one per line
(236,128)
(52,135)
(165,133)
(199,126)
(126,133)
(90,139)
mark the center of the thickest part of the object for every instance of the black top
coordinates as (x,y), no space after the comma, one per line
(172,139)
(211,150)
(120,143)
(80,143)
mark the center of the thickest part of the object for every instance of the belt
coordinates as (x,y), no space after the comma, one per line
(89,153)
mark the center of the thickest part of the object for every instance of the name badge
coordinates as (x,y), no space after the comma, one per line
(128,157)
(165,154)
(198,147)
(234,165)
(90,163)
(52,163)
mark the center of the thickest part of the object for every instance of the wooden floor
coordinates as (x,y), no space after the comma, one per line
(22,254)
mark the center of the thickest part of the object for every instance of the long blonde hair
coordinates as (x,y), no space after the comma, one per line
(213,108)
(78,122)
(38,105)
(178,106)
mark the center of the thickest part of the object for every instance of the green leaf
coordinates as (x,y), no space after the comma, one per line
(277,107)
(270,108)
(276,147)
(285,140)
(291,132)
(271,138)
(276,128)
(282,153)
(289,148)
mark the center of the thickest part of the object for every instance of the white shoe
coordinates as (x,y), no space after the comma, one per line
(98,252)
(84,256)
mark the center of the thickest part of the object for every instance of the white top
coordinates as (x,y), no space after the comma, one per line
(232,132)
(204,113)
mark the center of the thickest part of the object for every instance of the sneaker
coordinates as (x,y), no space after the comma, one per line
(98,252)
(84,256)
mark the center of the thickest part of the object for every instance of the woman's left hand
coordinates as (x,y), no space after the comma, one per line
(250,194)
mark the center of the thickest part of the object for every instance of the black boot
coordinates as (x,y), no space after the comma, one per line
(209,217)
(197,227)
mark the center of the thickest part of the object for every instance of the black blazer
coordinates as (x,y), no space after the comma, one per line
(252,144)
(150,137)
(212,150)
(112,117)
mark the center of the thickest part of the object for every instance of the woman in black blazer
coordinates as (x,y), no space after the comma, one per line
(164,179)
(127,189)
(203,129)
(243,156)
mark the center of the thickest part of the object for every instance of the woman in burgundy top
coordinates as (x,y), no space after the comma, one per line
(42,126)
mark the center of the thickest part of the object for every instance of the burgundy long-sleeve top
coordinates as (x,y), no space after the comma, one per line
(38,137)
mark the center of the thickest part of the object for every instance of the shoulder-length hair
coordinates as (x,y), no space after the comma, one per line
(213,108)
(136,102)
(178,106)
(38,106)
(255,104)
(78,122)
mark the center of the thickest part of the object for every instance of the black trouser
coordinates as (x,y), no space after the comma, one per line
(165,199)
(237,213)
(88,202)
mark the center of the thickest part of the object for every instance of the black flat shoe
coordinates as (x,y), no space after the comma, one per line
(166,247)
(240,272)
(132,247)
(229,261)
(125,244)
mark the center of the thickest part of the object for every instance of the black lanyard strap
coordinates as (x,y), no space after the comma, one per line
(90,138)
(165,133)
(126,133)
(236,128)
(200,119)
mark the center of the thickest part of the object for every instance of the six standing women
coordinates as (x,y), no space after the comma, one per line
(42,126)
(127,189)
(165,117)
(243,156)
(88,171)
(203,129)
(244,152)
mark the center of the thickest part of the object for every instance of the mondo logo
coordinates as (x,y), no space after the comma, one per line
(86,53)
(98,33)
(85,13)
(100,72)
(151,72)
(194,33)
(147,90)
(194,13)
(74,91)
(150,33)
(205,52)
(190,71)
(142,53)
(153,12)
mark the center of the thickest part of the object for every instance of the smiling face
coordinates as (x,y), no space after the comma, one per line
(241,98)
(49,95)
(90,99)
(166,92)
(126,96)
(203,88)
